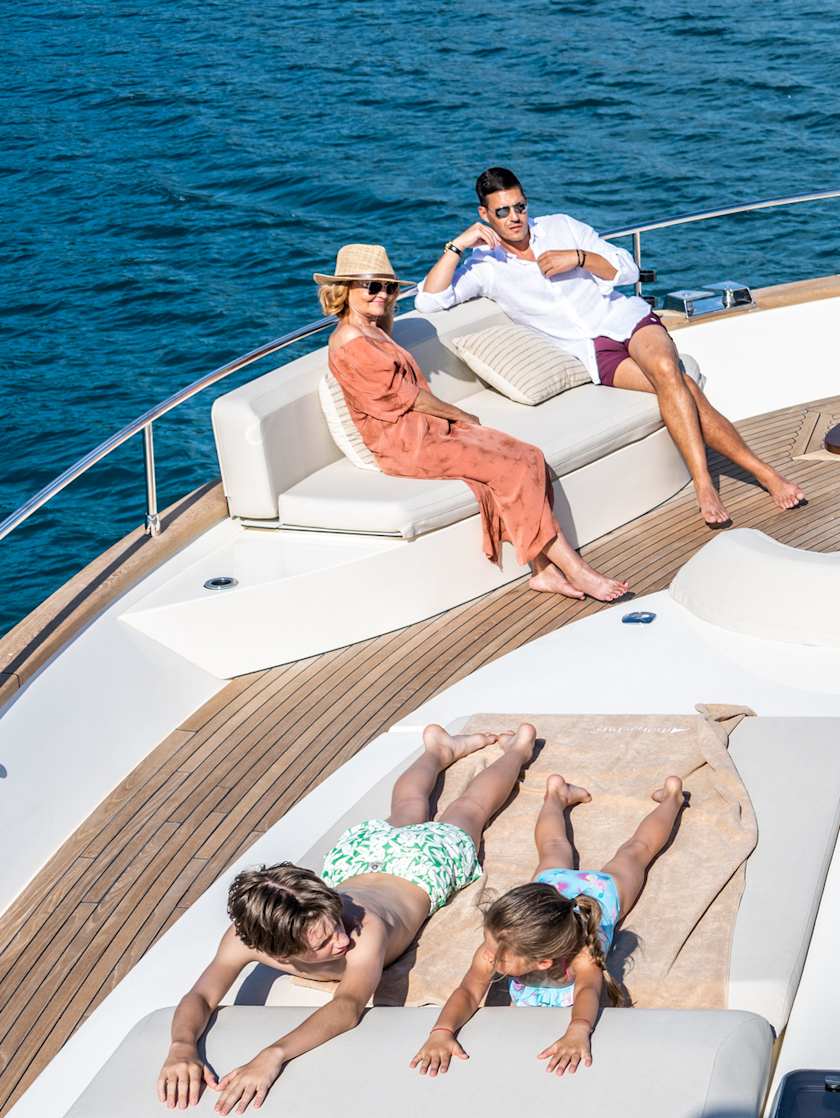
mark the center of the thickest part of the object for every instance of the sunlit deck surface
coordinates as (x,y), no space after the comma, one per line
(232,769)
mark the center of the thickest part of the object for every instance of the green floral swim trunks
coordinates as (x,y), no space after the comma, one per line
(439,857)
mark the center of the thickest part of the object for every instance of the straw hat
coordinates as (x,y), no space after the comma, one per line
(361,262)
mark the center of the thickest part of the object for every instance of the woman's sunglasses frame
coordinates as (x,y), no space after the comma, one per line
(373,287)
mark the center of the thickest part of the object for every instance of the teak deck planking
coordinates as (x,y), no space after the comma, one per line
(233,768)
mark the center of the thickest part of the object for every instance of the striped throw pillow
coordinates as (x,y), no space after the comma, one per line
(520,363)
(344,432)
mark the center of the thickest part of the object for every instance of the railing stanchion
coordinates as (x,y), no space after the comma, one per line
(152,518)
(637,256)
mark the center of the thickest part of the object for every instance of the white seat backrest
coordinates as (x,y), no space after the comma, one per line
(271,433)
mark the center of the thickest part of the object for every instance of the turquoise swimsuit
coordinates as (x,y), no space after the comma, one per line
(572,883)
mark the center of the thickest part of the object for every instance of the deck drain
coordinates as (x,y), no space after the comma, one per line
(221,582)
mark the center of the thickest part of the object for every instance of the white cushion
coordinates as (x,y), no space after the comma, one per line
(344,432)
(572,430)
(520,363)
(647,1064)
(748,582)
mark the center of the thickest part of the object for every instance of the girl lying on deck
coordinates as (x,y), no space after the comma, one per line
(551,936)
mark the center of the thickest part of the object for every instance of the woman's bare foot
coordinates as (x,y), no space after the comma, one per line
(786,494)
(596,585)
(671,789)
(449,748)
(570,794)
(523,741)
(551,580)
(712,508)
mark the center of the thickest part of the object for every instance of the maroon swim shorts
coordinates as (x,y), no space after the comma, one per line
(609,353)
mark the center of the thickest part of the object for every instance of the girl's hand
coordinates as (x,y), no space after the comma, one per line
(567,1052)
(436,1053)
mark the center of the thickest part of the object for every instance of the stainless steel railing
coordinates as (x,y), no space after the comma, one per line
(144,422)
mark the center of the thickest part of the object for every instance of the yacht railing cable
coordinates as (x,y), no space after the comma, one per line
(144,422)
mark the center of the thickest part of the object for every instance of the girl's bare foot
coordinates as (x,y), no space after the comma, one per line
(597,585)
(523,741)
(550,580)
(671,789)
(786,494)
(712,508)
(449,748)
(570,794)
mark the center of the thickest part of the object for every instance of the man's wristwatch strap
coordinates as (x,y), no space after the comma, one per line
(450,246)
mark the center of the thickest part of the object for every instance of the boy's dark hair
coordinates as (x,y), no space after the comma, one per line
(493,179)
(273,908)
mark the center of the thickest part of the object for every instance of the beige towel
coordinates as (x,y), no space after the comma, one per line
(674,947)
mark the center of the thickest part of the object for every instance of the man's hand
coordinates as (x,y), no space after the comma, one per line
(437,1052)
(558,261)
(250,1083)
(180,1079)
(467,417)
(477,234)
(568,1052)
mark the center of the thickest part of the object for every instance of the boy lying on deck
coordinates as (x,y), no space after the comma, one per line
(393,874)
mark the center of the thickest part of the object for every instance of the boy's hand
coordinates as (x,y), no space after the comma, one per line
(436,1053)
(567,1052)
(179,1082)
(250,1083)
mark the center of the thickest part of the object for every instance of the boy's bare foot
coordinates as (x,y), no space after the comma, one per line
(596,585)
(712,508)
(570,794)
(522,742)
(786,494)
(551,580)
(671,789)
(449,748)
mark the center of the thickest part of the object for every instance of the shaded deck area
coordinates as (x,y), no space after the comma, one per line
(232,769)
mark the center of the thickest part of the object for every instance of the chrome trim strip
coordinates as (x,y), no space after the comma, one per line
(144,422)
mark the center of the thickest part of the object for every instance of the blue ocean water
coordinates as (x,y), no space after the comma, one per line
(172,173)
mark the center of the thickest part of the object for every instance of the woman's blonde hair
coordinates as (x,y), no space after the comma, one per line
(335,299)
(536,921)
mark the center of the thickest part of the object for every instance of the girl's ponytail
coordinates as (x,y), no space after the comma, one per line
(588,913)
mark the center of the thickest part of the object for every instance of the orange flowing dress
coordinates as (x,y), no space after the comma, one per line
(380,381)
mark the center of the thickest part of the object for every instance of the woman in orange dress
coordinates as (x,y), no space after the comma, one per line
(413,434)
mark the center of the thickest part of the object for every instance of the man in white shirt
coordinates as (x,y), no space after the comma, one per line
(556,275)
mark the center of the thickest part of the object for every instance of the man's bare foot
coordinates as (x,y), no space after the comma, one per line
(786,494)
(570,794)
(597,585)
(523,741)
(551,580)
(712,508)
(671,789)
(449,748)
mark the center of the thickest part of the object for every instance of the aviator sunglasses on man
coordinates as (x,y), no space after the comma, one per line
(373,287)
(503,211)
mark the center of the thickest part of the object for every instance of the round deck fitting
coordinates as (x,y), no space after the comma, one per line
(221,582)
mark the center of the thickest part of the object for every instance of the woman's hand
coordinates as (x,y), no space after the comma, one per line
(437,1052)
(558,261)
(477,234)
(250,1083)
(467,417)
(180,1079)
(568,1052)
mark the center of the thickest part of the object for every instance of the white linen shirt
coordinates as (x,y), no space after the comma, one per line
(572,308)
